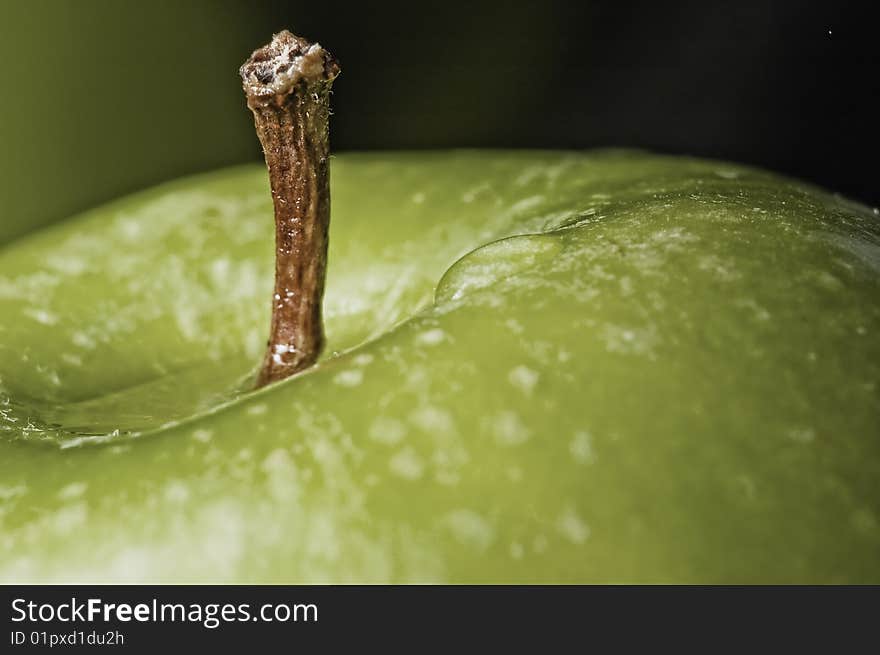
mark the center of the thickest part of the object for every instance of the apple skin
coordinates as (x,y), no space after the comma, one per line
(541,367)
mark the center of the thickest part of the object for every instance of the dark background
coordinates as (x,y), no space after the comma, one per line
(103,97)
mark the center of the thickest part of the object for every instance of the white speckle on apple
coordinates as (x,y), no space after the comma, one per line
(748,486)
(555,171)
(201,435)
(727,174)
(73,490)
(523,206)
(415,376)
(828,281)
(69,266)
(281,475)
(349,378)
(581,447)
(724,270)
(129,228)
(760,314)
(471,194)
(220,269)
(802,435)
(432,337)
(523,378)
(509,429)
(325,452)
(387,430)
(514,326)
(69,517)
(70,358)
(82,340)
(447,478)
(529,175)
(470,529)
(407,464)
(514,473)
(323,541)
(363,359)
(176,492)
(448,459)
(41,315)
(418,198)
(219,535)
(539,544)
(626,340)
(8,493)
(186,316)
(572,527)
(433,419)
(516,550)
(129,565)
(24,287)
(258,410)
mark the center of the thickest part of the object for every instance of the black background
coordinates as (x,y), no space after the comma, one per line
(790,86)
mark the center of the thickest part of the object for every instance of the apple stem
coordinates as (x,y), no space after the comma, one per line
(287,84)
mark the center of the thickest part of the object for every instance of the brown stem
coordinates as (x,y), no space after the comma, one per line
(287,84)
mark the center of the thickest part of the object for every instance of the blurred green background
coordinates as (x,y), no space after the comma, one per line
(102,97)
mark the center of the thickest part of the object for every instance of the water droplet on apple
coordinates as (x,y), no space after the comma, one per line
(494,262)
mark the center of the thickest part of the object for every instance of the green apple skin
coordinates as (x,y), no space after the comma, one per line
(541,367)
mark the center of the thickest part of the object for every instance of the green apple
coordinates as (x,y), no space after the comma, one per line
(541,367)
